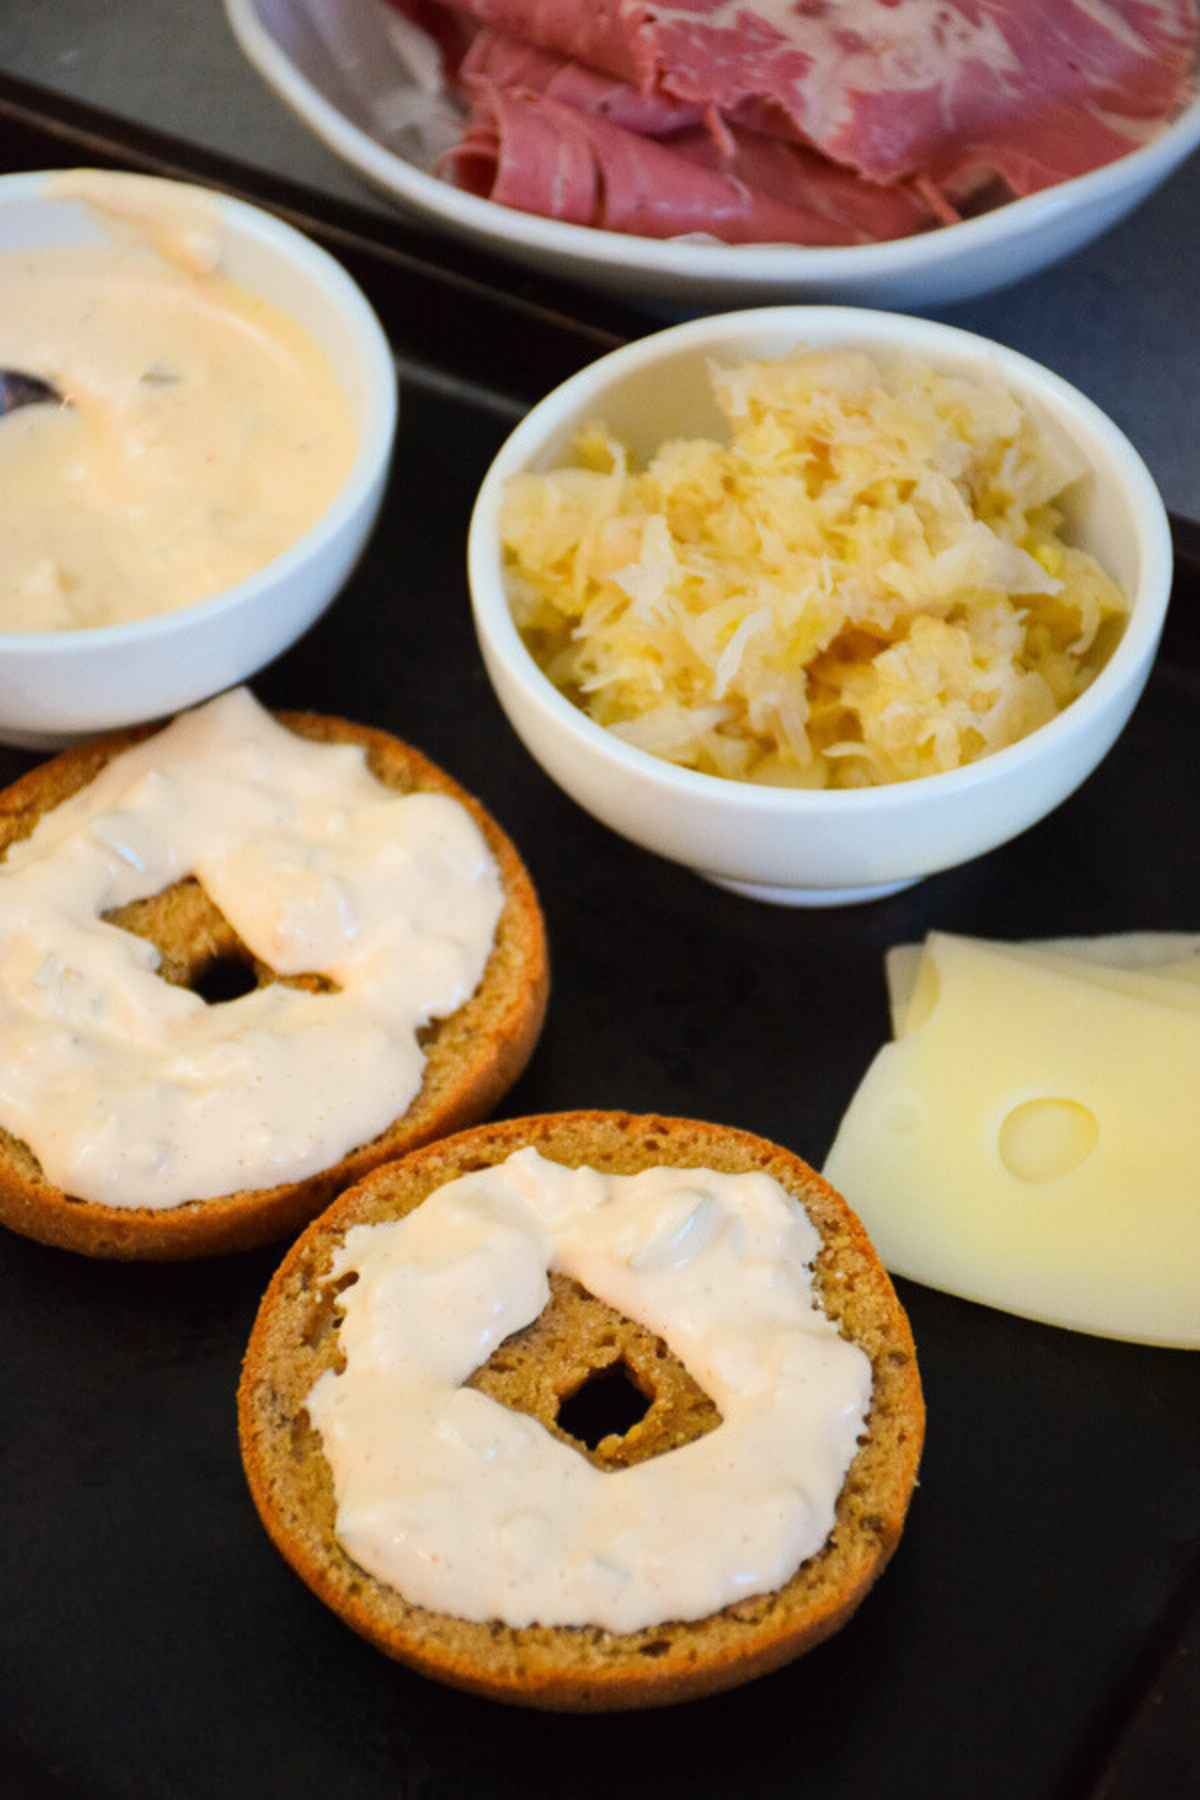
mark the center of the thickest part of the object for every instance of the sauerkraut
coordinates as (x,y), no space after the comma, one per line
(866,583)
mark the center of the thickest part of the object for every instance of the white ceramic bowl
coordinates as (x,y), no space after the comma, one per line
(797,847)
(58,686)
(344,82)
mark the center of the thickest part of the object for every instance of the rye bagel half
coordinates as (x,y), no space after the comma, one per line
(295,1339)
(472,1057)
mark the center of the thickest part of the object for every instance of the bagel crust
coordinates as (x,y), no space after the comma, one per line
(584,1669)
(472,1057)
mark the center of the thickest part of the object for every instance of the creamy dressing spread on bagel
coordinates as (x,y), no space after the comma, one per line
(134,1092)
(204,430)
(473,1510)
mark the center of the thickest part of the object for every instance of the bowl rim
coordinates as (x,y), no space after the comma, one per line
(498,633)
(723,263)
(375,434)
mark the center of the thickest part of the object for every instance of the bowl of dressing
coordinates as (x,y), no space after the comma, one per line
(202,487)
(810,839)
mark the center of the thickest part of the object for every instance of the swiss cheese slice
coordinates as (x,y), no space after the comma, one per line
(1034,1144)
(1172,956)
(1165,985)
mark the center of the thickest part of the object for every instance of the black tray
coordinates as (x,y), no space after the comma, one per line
(1037,1635)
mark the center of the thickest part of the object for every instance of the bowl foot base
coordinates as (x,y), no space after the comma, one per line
(46,740)
(779,895)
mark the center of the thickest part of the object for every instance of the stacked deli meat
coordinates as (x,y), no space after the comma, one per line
(799,121)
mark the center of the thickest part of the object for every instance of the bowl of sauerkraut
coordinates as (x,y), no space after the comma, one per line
(817,601)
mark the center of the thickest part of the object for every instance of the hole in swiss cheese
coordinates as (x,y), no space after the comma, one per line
(1043,1140)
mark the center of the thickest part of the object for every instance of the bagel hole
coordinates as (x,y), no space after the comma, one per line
(187,928)
(576,1339)
(608,1403)
(199,949)
(224,978)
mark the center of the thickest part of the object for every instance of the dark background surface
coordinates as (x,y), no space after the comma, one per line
(1029,1638)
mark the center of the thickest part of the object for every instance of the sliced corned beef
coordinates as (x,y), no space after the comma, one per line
(540,155)
(803,121)
(498,59)
(890,88)
(812,188)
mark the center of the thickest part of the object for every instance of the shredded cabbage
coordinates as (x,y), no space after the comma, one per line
(865,584)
